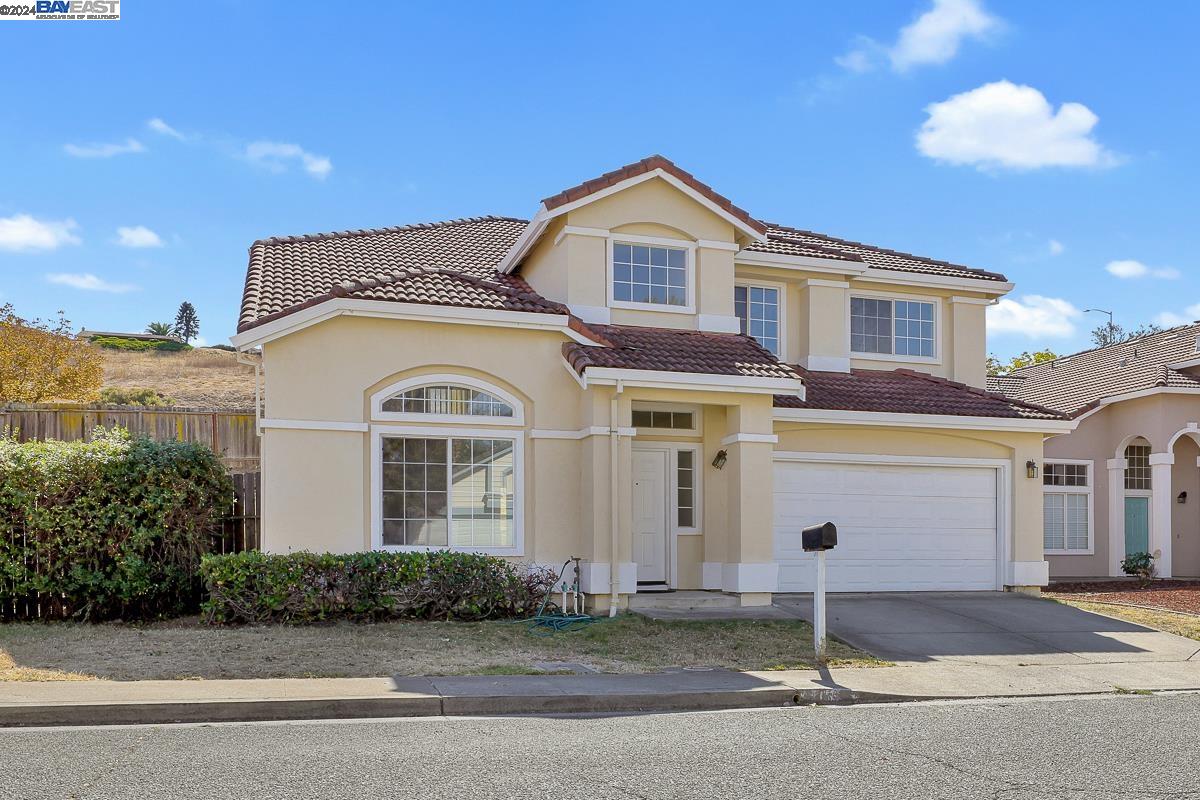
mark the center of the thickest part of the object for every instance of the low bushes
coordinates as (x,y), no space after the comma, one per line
(256,587)
(110,528)
(138,345)
(118,396)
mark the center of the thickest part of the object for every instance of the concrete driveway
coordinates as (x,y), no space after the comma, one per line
(987,628)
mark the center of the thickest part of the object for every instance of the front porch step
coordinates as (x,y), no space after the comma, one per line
(648,601)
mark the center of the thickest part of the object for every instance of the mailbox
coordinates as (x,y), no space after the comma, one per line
(819,537)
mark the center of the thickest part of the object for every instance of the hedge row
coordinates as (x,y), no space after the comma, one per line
(109,528)
(139,345)
(257,587)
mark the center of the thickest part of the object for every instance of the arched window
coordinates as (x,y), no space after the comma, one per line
(1137,465)
(446,398)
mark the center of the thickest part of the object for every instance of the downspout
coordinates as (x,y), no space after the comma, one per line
(614,438)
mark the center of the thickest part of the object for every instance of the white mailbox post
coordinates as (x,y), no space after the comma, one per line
(817,539)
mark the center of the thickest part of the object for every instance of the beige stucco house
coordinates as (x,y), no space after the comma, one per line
(647,377)
(1127,480)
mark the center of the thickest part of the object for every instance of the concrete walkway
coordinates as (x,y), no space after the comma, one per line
(159,702)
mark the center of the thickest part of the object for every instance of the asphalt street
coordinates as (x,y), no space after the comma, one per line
(1096,748)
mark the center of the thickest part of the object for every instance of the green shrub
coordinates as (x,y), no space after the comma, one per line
(257,588)
(1138,565)
(139,345)
(115,396)
(111,528)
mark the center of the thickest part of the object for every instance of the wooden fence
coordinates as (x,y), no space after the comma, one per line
(230,434)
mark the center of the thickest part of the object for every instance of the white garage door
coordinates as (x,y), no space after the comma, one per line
(900,527)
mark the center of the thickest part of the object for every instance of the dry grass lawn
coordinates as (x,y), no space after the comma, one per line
(1174,622)
(185,649)
(198,378)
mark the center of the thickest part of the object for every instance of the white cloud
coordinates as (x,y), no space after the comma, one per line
(1128,268)
(275,155)
(935,36)
(23,232)
(1004,125)
(158,125)
(104,149)
(1170,319)
(138,236)
(1033,316)
(88,282)
(857,60)
(1055,247)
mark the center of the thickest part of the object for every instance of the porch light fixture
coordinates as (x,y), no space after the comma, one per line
(1182,498)
(720,458)
(1031,469)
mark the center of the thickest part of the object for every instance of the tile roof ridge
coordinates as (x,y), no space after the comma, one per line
(361,232)
(889,251)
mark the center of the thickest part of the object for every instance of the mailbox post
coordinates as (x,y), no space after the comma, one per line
(817,539)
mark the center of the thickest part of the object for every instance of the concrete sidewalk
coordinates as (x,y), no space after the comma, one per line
(161,702)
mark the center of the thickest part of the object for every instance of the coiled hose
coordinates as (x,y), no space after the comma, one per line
(543,624)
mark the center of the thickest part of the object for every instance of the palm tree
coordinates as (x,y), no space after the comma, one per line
(160,329)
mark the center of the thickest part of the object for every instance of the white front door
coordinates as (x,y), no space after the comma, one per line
(650,515)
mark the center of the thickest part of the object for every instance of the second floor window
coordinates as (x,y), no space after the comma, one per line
(757,307)
(651,274)
(891,327)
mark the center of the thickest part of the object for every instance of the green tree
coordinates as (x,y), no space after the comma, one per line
(1026,359)
(1112,333)
(187,324)
(161,329)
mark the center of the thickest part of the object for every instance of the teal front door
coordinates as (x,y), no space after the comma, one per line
(1137,525)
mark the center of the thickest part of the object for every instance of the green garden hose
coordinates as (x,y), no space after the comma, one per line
(543,624)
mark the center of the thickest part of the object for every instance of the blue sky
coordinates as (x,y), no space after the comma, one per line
(1054,142)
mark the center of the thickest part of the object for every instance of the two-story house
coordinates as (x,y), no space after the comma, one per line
(647,377)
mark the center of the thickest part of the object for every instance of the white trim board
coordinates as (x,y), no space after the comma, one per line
(312,425)
(656,379)
(953,422)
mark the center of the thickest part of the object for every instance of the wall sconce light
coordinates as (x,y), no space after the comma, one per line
(720,458)
(1182,498)
(1031,469)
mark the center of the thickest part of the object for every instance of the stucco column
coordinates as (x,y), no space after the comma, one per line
(750,569)
(597,511)
(1116,515)
(823,325)
(1160,511)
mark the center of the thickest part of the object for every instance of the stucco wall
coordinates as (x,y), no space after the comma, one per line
(1103,435)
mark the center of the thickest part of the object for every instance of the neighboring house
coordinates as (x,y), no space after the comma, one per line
(578,385)
(1127,480)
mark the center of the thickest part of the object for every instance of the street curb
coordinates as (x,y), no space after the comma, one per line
(280,710)
(383,707)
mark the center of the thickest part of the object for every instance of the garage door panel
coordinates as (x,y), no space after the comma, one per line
(900,527)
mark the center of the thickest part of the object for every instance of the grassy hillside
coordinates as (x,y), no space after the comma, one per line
(200,377)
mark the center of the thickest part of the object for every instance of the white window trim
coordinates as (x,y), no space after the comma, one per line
(690,271)
(377,399)
(518,440)
(894,296)
(782,311)
(691,432)
(1089,490)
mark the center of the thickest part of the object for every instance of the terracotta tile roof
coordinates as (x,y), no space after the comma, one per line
(904,391)
(1073,384)
(641,168)
(670,350)
(793,241)
(444,263)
